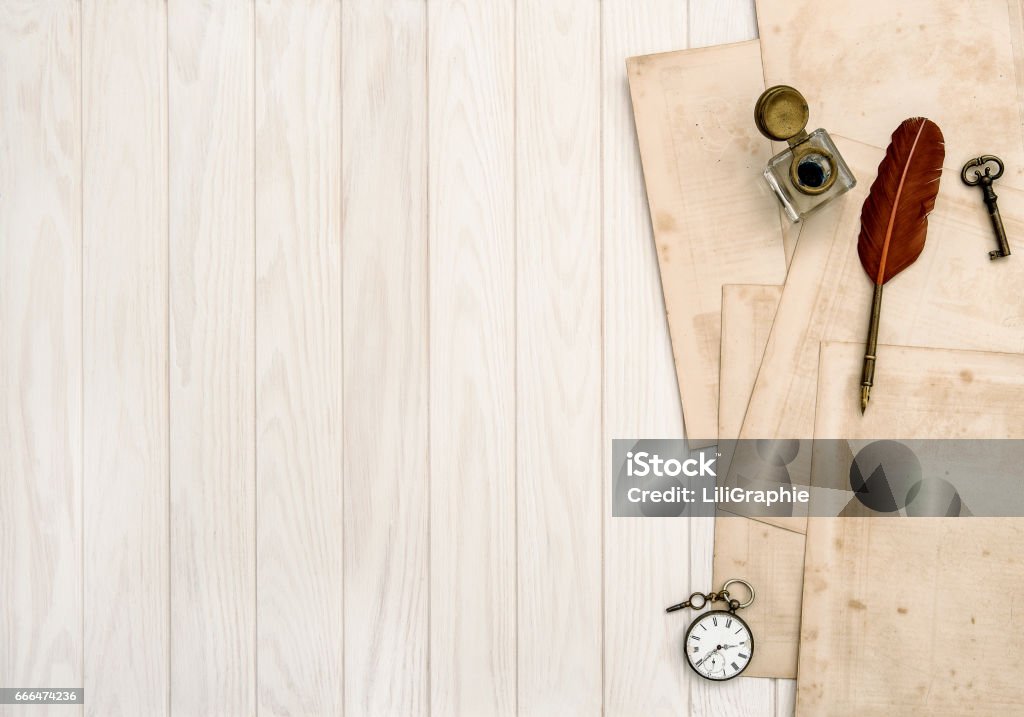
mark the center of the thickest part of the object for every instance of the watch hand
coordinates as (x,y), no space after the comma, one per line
(708,656)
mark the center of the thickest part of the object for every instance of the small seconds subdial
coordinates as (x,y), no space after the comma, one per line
(719,645)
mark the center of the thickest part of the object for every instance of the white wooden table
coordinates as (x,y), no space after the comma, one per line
(317,320)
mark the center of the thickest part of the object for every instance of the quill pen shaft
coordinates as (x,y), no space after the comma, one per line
(894,218)
(867,376)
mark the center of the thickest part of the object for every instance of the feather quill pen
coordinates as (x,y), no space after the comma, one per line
(894,219)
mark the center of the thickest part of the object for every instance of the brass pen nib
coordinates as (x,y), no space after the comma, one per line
(867,376)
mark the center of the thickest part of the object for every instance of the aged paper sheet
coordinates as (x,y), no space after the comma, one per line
(714,220)
(866,66)
(915,615)
(954,296)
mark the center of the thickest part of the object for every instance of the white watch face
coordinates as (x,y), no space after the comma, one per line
(719,645)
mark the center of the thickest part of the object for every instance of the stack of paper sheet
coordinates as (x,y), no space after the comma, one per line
(735,314)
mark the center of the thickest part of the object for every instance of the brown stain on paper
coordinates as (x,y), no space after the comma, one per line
(665,222)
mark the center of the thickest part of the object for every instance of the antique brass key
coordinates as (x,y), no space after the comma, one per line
(985,180)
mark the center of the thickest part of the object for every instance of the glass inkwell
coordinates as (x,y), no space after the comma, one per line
(810,172)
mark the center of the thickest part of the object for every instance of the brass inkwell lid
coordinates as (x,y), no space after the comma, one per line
(781,115)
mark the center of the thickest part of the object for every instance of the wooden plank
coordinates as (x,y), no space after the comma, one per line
(643,670)
(212,490)
(717,22)
(472,358)
(785,698)
(559,301)
(40,358)
(125,309)
(298,358)
(387,495)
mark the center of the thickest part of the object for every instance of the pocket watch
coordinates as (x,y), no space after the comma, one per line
(718,644)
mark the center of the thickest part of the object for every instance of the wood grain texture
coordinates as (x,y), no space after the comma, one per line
(387,497)
(785,698)
(721,22)
(643,672)
(298,358)
(125,355)
(212,489)
(558,242)
(317,320)
(40,349)
(472,358)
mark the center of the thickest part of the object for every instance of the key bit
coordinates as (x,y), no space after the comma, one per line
(985,180)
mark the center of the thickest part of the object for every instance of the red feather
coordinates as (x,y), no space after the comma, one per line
(894,219)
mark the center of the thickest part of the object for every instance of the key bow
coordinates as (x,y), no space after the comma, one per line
(979,177)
